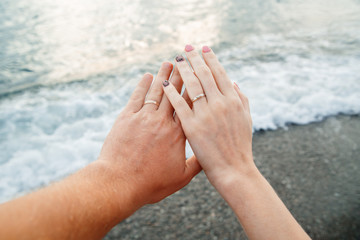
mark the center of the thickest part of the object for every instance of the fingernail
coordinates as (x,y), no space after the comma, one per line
(236,85)
(206,49)
(167,65)
(189,48)
(166,83)
(179,58)
(148,75)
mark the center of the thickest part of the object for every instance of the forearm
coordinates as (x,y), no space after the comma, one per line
(260,211)
(83,206)
(223,140)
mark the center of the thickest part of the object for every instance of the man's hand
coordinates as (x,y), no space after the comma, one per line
(142,161)
(146,146)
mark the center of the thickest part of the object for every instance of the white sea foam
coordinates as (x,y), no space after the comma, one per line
(291,88)
(47,140)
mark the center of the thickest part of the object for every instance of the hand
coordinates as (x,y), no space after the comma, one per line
(219,130)
(142,161)
(146,146)
(219,126)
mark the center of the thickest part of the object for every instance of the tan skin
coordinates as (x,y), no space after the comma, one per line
(155,143)
(143,161)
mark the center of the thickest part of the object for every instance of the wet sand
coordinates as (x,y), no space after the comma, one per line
(313,168)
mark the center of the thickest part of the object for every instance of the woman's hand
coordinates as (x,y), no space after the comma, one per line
(219,126)
(146,146)
(219,130)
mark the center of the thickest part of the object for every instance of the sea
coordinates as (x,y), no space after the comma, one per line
(67,68)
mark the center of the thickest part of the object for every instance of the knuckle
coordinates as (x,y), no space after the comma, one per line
(187,73)
(158,124)
(146,118)
(234,101)
(155,93)
(193,84)
(203,70)
(202,128)
(246,98)
(220,70)
(126,113)
(218,104)
(238,104)
(205,118)
(162,120)
(243,97)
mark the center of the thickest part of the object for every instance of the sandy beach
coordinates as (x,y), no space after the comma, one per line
(314,169)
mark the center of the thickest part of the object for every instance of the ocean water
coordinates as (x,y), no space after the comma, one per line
(67,69)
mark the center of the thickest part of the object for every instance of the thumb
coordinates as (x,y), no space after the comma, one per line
(192,167)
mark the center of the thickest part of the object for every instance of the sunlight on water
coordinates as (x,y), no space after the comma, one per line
(78,39)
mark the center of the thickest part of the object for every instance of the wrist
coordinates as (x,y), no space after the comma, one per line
(239,188)
(225,179)
(231,169)
(112,187)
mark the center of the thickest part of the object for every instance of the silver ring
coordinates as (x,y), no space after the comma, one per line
(198,97)
(151,102)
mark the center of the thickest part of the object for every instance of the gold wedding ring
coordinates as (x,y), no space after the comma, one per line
(198,97)
(151,102)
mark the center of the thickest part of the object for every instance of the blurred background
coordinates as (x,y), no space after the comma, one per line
(67,69)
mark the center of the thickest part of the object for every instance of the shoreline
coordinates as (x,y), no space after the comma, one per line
(313,168)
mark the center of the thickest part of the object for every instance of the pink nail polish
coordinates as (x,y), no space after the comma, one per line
(206,49)
(189,48)
(236,85)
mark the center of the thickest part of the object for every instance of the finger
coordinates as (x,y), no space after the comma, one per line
(156,91)
(187,98)
(243,98)
(218,71)
(191,82)
(193,167)
(188,101)
(202,71)
(137,98)
(165,104)
(177,101)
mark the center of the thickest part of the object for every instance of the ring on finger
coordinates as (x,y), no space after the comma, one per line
(198,97)
(151,102)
